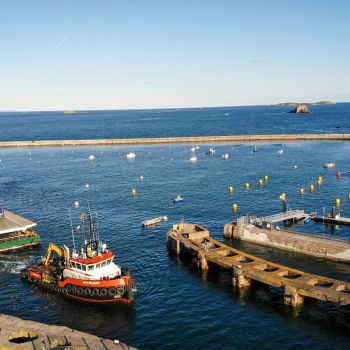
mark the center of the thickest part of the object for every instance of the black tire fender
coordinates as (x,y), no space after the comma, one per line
(120,290)
(87,291)
(95,291)
(103,292)
(112,291)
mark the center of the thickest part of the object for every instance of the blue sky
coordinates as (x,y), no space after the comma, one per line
(111,54)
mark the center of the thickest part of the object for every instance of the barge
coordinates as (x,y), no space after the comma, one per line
(16,231)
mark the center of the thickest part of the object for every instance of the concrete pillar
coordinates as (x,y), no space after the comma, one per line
(203,262)
(229,229)
(238,279)
(291,296)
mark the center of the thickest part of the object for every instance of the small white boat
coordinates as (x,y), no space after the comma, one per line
(280,151)
(92,157)
(329,165)
(194,157)
(211,151)
(225,156)
(153,222)
(131,155)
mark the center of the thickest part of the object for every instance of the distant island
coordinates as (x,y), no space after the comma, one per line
(72,112)
(305,103)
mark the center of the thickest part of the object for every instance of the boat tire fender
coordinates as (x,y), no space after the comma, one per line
(64,290)
(87,291)
(74,289)
(103,292)
(112,291)
(120,290)
(95,291)
(80,290)
(69,288)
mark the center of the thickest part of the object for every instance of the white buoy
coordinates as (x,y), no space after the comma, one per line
(76,204)
(87,185)
(141,177)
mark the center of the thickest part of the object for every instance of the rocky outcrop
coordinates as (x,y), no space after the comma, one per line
(300,109)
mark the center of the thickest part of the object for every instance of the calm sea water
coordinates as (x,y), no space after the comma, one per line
(177,306)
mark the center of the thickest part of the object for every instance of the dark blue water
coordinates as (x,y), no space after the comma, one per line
(177,306)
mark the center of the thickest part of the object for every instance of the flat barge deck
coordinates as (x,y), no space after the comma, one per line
(16,231)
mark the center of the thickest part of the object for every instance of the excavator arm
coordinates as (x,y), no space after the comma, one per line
(53,249)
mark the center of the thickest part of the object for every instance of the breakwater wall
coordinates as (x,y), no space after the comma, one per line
(169,140)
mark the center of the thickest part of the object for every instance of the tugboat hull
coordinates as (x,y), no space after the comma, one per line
(92,291)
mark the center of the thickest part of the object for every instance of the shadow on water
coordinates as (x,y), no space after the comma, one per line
(325,317)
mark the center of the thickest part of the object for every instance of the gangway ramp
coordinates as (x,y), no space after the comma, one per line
(290,214)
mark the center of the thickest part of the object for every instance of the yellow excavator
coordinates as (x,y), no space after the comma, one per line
(54,249)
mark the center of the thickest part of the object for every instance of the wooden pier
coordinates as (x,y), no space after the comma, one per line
(185,238)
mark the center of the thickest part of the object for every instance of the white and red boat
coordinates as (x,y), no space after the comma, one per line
(88,274)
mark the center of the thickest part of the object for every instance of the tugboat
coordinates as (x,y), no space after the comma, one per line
(88,275)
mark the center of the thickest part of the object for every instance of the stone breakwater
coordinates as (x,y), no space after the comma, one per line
(191,139)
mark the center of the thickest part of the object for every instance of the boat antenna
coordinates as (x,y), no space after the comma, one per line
(71,225)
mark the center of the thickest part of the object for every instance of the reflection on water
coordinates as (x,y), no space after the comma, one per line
(178,306)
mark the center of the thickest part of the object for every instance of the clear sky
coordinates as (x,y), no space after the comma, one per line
(138,54)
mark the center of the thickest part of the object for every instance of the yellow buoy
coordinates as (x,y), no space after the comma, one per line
(133,191)
(337,201)
(260,182)
(266,177)
(311,187)
(320,178)
(230,189)
(348,196)
(234,206)
(301,191)
(247,185)
(319,182)
(283,195)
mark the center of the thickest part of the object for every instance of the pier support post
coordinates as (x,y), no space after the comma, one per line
(291,296)
(202,262)
(238,279)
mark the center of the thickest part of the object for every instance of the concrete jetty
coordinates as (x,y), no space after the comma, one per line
(186,238)
(266,233)
(169,140)
(19,334)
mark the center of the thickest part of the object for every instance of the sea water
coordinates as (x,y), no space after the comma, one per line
(178,306)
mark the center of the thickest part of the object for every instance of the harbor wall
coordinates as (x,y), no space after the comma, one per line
(292,241)
(169,140)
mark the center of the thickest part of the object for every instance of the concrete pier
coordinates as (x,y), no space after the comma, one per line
(274,236)
(195,240)
(170,140)
(19,334)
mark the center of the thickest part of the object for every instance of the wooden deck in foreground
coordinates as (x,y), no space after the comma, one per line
(194,239)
